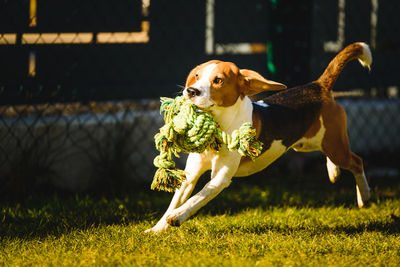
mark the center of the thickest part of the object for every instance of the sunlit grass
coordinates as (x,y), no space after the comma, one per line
(274,223)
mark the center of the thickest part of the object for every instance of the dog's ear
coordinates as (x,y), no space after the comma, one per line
(254,83)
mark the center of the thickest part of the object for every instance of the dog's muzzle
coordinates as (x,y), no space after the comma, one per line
(192,92)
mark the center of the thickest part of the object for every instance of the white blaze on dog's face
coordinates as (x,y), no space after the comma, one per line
(217,83)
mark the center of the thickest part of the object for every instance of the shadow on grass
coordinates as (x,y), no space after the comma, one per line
(311,190)
(40,216)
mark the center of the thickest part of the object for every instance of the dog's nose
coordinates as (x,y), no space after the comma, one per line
(192,92)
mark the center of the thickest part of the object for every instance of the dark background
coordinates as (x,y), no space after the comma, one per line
(294,31)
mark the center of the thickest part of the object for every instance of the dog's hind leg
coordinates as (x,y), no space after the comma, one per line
(350,161)
(333,170)
(336,147)
(195,167)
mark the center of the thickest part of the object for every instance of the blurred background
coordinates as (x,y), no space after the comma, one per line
(80,81)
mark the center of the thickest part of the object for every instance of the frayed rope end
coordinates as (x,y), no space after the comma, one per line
(168,180)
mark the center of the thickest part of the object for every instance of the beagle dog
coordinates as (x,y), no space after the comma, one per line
(304,118)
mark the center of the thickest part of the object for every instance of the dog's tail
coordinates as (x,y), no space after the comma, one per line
(358,51)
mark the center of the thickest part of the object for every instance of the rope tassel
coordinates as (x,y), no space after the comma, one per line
(189,130)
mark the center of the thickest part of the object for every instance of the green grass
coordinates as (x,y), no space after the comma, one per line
(276,222)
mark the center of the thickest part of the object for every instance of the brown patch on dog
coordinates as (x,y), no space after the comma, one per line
(196,72)
(225,81)
(335,143)
(335,67)
(257,123)
(313,130)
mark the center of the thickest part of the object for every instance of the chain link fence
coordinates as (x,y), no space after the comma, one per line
(80,81)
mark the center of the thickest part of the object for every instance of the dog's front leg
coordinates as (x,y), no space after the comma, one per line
(223,169)
(196,165)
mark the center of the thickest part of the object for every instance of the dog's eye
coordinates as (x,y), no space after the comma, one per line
(197,77)
(217,81)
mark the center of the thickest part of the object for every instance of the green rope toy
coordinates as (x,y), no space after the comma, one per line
(189,130)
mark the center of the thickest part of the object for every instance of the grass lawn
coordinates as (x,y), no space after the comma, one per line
(293,221)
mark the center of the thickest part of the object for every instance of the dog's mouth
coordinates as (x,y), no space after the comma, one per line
(202,107)
(200,102)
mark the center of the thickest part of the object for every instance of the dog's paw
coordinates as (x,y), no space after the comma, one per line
(174,220)
(363,199)
(334,175)
(149,231)
(158,228)
(154,230)
(333,171)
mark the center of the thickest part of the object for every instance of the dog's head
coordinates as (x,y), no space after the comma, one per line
(218,83)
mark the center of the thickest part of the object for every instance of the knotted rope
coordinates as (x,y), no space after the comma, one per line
(189,130)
